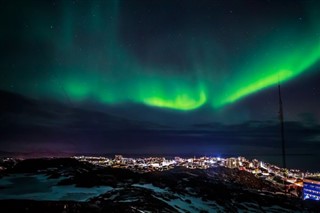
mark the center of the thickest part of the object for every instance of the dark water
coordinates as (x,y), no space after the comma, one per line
(39,187)
(16,184)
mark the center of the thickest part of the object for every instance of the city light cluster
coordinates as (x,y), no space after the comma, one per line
(290,180)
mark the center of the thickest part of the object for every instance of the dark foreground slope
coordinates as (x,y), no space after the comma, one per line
(178,190)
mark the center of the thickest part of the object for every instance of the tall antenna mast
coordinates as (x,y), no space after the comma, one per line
(282,128)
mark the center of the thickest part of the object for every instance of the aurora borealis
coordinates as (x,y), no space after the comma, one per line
(159,75)
(92,58)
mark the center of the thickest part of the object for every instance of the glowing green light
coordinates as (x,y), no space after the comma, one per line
(181,102)
(77,90)
(96,63)
(258,85)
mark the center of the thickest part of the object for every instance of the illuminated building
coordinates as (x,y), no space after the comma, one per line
(311,188)
(231,163)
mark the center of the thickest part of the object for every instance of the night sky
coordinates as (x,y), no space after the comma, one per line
(165,77)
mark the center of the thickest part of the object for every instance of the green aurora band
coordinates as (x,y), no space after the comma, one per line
(111,74)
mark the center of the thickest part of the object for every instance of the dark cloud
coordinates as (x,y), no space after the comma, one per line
(32,125)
